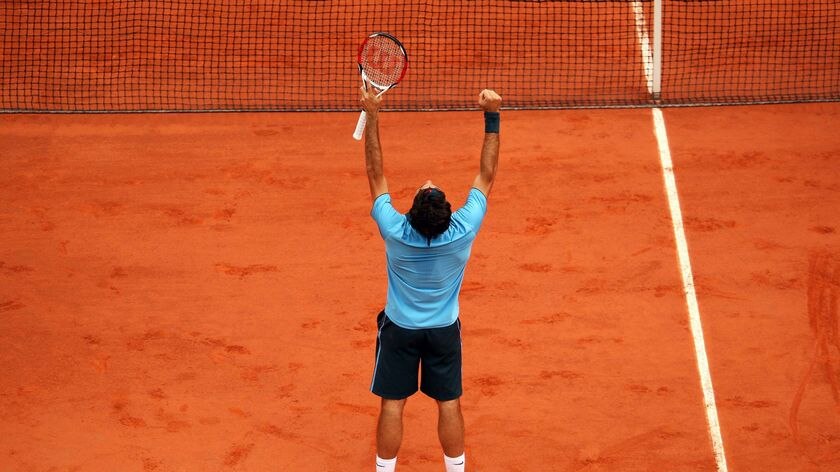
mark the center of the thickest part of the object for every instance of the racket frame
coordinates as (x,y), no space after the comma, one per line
(381,88)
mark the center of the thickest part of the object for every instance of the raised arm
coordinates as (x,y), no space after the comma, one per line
(490,102)
(373,148)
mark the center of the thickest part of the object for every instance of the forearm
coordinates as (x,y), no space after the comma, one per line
(490,148)
(373,148)
(489,156)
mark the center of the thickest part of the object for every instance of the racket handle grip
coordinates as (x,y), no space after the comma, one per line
(360,126)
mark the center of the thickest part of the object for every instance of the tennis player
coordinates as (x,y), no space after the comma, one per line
(426,254)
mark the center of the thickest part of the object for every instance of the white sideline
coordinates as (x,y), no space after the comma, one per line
(644,43)
(688,289)
(681,243)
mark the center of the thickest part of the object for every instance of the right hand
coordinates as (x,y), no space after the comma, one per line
(489,100)
(370,101)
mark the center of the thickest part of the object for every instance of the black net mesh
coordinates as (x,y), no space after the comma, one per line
(176,55)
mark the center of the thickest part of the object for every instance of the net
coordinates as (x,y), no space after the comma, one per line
(742,51)
(201,55)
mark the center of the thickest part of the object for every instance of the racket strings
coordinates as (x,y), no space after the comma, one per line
(383,61)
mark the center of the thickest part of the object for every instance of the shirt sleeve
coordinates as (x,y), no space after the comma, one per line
(473,211)
(387,218)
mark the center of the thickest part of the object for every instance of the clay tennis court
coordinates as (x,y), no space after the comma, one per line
(198,292)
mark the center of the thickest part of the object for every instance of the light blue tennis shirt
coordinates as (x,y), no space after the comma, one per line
(424,281)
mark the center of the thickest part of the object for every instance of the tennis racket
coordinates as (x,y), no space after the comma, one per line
(382,64)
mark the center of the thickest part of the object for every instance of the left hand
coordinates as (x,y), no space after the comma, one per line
(489,100)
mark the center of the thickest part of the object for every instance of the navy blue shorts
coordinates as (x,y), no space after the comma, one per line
(403,355)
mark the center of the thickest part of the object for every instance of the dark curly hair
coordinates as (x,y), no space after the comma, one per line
(430,214)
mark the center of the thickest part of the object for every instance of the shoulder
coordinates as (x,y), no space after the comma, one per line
(472,213)
(478,196)
(381,199)
(476,202)
(389,220)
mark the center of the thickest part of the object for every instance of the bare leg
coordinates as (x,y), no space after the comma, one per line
(389,430)
(451,427)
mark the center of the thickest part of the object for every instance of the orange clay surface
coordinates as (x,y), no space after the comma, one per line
(199,292)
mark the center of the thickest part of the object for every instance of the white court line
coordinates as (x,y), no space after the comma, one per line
(688,289)
(682,246)
(644,43)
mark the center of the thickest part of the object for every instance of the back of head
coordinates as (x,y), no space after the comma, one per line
(430,214)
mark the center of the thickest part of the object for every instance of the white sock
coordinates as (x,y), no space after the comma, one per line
(455,464)
(385,465)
